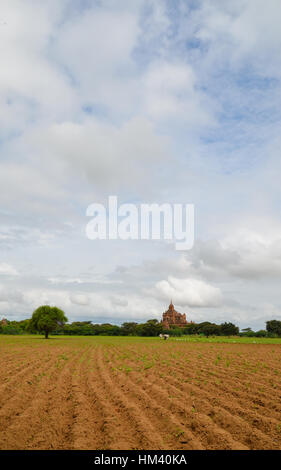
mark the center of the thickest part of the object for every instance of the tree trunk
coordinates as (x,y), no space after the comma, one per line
(46,334)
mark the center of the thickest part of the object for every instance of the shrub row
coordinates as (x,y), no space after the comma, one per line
(150,328)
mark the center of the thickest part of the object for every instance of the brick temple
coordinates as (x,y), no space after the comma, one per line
(173,318)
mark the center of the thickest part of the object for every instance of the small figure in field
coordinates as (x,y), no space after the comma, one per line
(161,336)
(166,336)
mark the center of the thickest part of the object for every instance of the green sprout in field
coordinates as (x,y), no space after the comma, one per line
(179,433)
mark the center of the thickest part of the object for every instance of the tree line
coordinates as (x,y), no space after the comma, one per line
(46,319)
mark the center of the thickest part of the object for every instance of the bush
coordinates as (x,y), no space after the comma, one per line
(261,334)
(10,330)
(248,333)
(191,329)
(174,332)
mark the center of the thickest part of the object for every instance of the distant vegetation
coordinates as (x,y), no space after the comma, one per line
(55,324)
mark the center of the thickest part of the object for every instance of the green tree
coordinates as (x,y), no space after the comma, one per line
(150,328)
(11,329)
(129,328)
(228,329)
(211,330)
(23,325)
(261,334)
(106,329)
(273,327)
(174,331)
(248,332)
(191,329)
(46,319)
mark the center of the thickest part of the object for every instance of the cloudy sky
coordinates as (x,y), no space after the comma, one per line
(158,101)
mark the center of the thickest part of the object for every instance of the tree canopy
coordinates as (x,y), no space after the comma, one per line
(47,319)
(273,327)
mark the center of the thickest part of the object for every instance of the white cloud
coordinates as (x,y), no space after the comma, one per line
(34,186)
(245,30)
(35,297)
(96,47)
(79,299)
(251,250)
(7,270)
(10,297)
(189,292)
(100,304)
(27,71)
(105,154)
(169,92)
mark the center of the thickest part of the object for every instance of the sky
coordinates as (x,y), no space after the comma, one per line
(153,101)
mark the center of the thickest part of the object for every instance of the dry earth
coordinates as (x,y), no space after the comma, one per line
(135,393)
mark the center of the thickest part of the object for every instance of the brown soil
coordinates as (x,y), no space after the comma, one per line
(100,393)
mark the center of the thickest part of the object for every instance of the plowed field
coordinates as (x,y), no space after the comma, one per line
(136,393)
